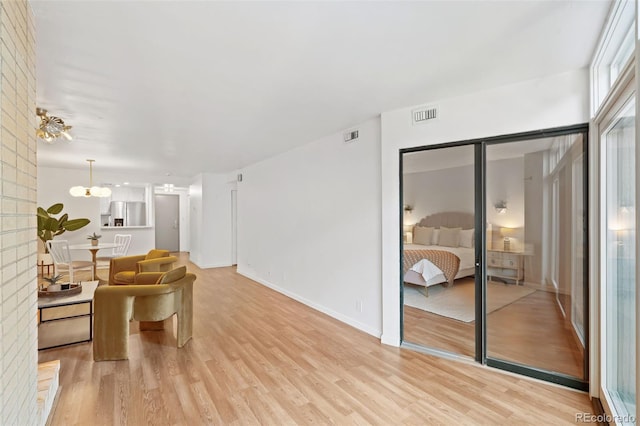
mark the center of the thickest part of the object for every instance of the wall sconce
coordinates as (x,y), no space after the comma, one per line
(507,233)
(407,208)
(501,207)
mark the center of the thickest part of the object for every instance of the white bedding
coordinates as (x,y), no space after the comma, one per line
(427,274)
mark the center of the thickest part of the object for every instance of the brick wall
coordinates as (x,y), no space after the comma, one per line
(18,274)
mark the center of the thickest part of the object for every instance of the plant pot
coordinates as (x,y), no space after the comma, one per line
(94,242)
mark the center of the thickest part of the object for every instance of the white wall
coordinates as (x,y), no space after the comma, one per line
(309,226)
(210,218)
(423,191)
(195,218)
(548,102)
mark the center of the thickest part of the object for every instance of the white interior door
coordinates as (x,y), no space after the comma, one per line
(167,219)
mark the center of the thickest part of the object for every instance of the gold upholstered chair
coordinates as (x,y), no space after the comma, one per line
(116,306)
(123,270)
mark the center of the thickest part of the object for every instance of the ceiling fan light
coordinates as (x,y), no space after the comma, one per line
(90,191)
(51,127)
(77,191)
(97,191)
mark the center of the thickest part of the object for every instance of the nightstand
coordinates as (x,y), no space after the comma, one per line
(505,264)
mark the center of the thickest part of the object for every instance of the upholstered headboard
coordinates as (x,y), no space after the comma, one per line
(449,219)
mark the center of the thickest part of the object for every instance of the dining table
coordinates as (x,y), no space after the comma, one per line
(94,251)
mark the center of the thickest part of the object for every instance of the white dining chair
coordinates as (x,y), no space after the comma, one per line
(61,255)
(123,242)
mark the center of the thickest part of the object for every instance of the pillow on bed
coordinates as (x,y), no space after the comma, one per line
(436,237)
(466,238)
(422,235)
(449,237)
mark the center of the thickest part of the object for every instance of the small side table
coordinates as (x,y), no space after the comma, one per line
(506,265)
(45,261)
(66,320)
(43,265)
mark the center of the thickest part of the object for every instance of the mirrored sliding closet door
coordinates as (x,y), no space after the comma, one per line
(494,252)
(536,253)
(438,249)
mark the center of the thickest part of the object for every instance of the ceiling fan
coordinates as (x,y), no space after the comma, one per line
(51,127)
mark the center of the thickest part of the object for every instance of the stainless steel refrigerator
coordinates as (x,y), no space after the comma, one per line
(136,214)
(128,213)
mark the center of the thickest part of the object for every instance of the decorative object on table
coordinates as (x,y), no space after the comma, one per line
(53,282)
(90,191)
(507,234)
(51,127)
(50,226)
(73,289)
(94,238)
(55,289)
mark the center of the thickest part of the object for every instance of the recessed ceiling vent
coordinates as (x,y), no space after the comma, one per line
(351,136)
(424,114)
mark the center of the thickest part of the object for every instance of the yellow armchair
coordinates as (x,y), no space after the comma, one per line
(115,306)
(123,270)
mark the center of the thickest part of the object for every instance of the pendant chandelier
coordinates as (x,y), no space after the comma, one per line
(90,191)
(51,127)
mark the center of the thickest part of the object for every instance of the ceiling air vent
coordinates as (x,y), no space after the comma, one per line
(351,136)
(424,114)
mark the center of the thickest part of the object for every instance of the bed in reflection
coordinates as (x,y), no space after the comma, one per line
(442,250)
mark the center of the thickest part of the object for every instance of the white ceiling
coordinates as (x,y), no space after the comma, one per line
(183,87)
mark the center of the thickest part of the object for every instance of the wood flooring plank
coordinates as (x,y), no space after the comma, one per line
(513,334)
(258,357)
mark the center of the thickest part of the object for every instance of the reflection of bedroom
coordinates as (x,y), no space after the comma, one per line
(533,189)
(441,190)
(519,199)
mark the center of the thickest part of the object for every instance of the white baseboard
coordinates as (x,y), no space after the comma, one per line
(211,265)
(337,315)
(385,339)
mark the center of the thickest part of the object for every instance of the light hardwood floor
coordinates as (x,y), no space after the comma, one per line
(530,331)
(258,357)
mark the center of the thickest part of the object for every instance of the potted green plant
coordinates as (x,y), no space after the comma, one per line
(94,239)
(50,226)
(53,283)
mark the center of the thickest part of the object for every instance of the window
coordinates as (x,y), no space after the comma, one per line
(614,51)
(619,296)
